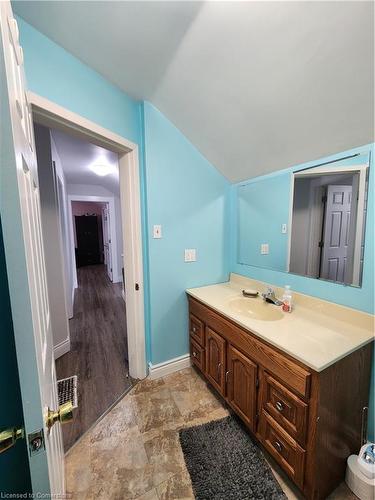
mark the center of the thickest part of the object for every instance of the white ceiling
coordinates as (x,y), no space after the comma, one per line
(78,156)
(256,86)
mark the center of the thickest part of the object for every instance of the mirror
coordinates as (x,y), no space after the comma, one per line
(309,222)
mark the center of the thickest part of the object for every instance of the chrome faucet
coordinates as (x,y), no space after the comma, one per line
(269,296)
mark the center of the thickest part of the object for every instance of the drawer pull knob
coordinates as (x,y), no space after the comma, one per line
(194,354)
(278,446)
(194,329)
(279,406)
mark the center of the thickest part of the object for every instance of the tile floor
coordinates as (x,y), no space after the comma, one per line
(134,451)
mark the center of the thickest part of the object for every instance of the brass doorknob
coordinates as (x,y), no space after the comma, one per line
(63,415)
(8,438)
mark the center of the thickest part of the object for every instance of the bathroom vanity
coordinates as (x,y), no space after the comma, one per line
(298,381)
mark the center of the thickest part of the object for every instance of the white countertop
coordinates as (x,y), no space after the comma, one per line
(317,333)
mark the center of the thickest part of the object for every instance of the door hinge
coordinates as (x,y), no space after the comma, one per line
(324,199)
(257,417)
(136,286)
(257,383)
(321,244)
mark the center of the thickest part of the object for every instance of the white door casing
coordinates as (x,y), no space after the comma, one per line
(50,114)
(24,253)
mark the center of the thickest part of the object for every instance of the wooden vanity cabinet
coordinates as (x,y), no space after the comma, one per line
(309,422)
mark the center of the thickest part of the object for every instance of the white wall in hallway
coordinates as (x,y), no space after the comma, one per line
(56,266)
(64,221)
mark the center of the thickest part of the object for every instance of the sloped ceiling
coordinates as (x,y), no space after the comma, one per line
(255,86)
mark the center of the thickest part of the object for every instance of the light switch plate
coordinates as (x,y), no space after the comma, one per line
(157,231)
(190,255)
(283,228)
(264,249)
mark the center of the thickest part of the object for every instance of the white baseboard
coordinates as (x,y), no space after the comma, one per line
(170,366)
(117,280)
(61,348)
(123,295)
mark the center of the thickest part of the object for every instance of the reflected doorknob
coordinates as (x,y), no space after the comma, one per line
(63,415)
(8,438)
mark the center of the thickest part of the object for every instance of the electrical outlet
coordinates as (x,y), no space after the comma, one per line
(283,228)
(264,249)
(190,255)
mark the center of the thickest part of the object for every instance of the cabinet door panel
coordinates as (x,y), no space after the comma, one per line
(215,360)
(242,377)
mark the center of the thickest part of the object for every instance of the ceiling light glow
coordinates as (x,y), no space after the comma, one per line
(103,169)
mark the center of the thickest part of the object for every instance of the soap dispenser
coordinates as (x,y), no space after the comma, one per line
(287,299)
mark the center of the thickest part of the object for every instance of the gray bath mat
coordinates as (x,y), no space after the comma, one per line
(225,464)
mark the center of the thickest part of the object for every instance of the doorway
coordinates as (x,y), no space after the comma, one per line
(94,362)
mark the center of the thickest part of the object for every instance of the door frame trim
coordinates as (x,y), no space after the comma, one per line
(53,115)
(111,206)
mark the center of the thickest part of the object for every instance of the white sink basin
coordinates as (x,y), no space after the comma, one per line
(256,309)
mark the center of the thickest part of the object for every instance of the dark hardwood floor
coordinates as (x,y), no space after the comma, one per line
(98,355)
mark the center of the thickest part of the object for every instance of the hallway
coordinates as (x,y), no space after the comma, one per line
(99,354)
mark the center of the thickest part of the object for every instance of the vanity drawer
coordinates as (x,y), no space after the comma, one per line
(196,329)
(286,408)
(284,449)
(197,355)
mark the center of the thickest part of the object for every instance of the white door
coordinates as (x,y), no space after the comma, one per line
(107,241)
(20,214)
(336,233)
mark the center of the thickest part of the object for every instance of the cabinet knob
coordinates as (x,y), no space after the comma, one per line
(279,406)
(278,446)
(194,329)
(194,354)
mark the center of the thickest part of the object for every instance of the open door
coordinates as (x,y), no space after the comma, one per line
(24,256)
(107,245)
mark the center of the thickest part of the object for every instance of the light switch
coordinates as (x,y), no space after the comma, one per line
(283,228)
(157,231)
(190,255)
(264,249)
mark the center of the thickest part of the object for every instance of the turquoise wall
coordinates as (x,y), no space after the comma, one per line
(358,298)
(188,197)
(260,216)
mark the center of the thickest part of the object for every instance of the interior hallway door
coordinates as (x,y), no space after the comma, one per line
(336,233)
(24,255)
